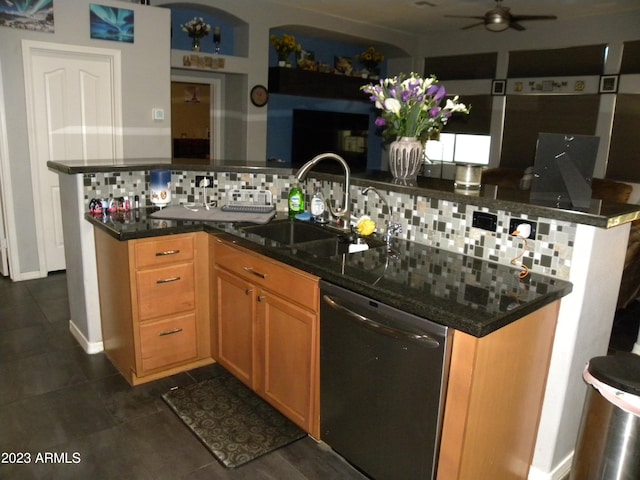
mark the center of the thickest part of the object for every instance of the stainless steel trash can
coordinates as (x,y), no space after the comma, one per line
(608,445)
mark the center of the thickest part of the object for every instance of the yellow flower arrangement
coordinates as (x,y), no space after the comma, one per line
(370,58)
(284,45)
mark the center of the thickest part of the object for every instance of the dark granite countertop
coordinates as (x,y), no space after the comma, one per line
(598,214)
(470,295)
(73,167)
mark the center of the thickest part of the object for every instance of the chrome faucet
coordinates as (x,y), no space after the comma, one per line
(390,227)
(343,214)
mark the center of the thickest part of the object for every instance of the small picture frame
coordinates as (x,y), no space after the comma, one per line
(499,87)
(306,60)
(111,23)
(608,83)
(343,65)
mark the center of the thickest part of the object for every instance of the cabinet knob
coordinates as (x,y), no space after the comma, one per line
(261,298)
(248,291)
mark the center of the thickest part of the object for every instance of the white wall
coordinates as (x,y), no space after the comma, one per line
(146,85)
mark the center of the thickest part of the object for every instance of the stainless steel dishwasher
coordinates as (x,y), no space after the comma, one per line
(383,376)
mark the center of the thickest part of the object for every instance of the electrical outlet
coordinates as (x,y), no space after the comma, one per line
(204,181)
(485,221)
(514,222)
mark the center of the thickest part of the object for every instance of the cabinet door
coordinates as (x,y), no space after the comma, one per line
(235,317)
(287,350)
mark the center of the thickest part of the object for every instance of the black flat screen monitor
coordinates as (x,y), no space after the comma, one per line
(563,170)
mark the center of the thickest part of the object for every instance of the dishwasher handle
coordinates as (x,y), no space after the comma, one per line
(429,341)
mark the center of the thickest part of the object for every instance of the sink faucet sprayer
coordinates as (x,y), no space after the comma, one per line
(390,227)
(342,214)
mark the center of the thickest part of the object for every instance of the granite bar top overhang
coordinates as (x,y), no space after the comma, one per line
(73,167)
(517,202)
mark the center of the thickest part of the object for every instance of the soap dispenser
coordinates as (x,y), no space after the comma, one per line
(296,201)
(317,207)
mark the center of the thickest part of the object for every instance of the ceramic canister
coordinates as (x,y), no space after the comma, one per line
(160,187)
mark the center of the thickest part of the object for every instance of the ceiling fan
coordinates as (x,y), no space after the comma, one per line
(500,18)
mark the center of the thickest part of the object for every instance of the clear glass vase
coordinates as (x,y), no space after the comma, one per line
(195,44)
(405,157)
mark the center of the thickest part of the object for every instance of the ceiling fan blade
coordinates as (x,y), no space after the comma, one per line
(516,26)
(519,18)
(465,16)
(472,25)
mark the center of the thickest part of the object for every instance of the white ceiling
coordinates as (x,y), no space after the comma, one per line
(406,16)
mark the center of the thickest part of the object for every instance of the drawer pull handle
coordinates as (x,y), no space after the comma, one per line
(168,280)
(257,274)
(170,332)
(167,252)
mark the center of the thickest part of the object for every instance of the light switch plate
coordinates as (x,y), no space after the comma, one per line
(158,114)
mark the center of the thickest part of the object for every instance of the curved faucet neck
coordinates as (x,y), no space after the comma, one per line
(343,213)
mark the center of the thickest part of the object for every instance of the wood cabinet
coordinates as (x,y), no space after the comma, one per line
(266,330)
(154,304)
(494,399)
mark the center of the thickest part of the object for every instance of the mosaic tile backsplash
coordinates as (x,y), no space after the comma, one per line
(430,221)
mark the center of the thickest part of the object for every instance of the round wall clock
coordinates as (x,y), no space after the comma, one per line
(259,95)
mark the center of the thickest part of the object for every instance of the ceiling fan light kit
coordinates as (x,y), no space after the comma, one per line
(495,22)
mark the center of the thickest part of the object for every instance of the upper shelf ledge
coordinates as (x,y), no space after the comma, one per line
(208,62)
(295,81)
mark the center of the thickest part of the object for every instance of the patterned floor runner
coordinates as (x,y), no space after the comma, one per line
(234,423)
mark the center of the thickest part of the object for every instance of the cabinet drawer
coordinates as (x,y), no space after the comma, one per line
(169,341)
(282,279)
(165,291)
(154,252)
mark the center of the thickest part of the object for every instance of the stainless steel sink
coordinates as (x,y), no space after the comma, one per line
(331,247)
(290,232)
(319,241)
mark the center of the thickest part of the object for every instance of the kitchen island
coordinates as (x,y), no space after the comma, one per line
(502,327)
(582,248)
(473,296)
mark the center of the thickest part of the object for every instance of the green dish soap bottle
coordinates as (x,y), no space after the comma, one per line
(296,201)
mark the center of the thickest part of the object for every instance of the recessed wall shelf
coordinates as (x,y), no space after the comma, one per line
(295,81)
(208,62)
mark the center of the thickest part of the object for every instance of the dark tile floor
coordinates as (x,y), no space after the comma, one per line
(78,418)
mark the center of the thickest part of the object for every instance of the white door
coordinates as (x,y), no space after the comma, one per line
(5,191)
(71,95)
(4,263)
